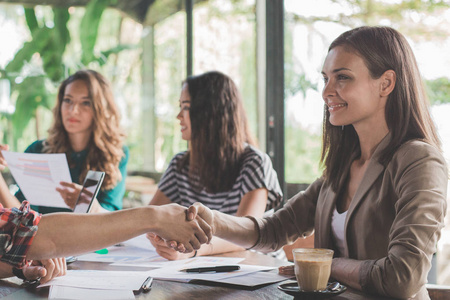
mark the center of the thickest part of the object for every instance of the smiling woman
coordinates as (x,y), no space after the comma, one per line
(86,128)
(381,200)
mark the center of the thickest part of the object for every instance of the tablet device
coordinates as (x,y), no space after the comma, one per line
(89,191)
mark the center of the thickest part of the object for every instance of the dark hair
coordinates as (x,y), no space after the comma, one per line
(219,131)
(406,112)
(105,146)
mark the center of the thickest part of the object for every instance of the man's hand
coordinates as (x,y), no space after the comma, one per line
(46,269)
(172,226)
(3,163)
(164,251)
(199,210)
(69,193)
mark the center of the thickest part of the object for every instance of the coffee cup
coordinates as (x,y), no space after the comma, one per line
(312,268)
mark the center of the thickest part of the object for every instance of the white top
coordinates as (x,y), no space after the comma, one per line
(337,227)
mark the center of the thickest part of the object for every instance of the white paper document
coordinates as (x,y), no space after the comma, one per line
(173,272)
(253,279)
(101,280)
(73,293)
(38,175)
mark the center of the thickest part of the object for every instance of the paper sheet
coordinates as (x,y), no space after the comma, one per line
(72,293)
(38,175)
(253,279)
(102,280)
(173,273)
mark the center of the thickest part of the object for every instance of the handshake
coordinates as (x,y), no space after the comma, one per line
(185,235)
(176,239)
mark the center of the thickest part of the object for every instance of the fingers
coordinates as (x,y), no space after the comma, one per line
(3,162)
(171,244)
(34,272)
(68,184)
(54,268)
(89,194)
(286,270)
(49,266)
(156,240)
(207,236)
(191,213)
(63,264)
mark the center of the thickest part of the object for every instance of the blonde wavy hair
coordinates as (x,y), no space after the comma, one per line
(105,145)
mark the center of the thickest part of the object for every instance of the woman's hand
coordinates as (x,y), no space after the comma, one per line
(165,251)
(199,210)
(69,193)
(46,269)
(3,163)
(195,211)
(172,225)
(286,270)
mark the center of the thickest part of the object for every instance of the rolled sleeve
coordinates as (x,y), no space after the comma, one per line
(17,230)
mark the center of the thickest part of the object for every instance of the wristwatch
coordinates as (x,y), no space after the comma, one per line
(19,273)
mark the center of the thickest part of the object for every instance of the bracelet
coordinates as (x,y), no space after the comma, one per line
(18,273)
(195,254)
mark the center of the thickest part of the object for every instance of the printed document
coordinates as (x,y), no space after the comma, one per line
(38,175)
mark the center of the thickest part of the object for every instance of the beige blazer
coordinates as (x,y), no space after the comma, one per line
(393,223)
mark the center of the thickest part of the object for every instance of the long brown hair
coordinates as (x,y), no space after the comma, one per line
(407,115)
(219,131)
(105,145)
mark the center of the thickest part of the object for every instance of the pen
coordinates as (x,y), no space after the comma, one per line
(212,269)
(147,285)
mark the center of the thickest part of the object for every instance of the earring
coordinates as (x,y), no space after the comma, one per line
(342,127)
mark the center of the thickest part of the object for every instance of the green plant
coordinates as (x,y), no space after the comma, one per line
(39,66)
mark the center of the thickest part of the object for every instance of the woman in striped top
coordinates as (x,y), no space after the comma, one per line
(221,169)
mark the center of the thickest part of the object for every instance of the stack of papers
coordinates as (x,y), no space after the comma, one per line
(138,252)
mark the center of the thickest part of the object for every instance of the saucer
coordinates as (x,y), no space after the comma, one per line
(292,289)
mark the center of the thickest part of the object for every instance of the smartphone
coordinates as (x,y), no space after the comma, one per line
(89,191)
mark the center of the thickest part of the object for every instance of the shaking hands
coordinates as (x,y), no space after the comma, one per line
(195,215)
(180,226)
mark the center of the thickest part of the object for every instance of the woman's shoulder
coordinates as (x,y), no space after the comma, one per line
(177,157)
(417,149)
(417,152)
(35,147)
(253,154)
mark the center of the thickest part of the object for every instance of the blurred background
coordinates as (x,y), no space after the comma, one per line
(147,47)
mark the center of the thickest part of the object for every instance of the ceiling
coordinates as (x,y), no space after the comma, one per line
(147,12)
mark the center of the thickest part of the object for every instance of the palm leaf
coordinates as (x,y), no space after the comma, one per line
(89,28)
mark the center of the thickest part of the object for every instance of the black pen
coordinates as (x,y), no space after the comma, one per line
(212,269)
(147,285)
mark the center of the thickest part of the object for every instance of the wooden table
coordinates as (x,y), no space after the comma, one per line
(11,288)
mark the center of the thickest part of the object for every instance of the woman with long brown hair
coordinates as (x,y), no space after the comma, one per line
(86,127)
(221,169)
(381,201)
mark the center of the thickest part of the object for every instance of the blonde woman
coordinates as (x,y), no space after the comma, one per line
(86,128)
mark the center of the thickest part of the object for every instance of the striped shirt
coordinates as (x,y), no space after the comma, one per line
(256,172)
